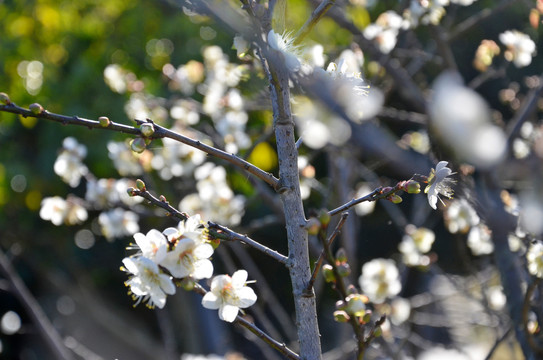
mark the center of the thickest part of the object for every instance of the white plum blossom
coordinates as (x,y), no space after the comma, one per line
(285,45)
(147,283)
(153,245)
(191,253)
(241,45)
(117,223)
(534,256)
(229,294)
(520,48)
(439,183)
(68,164)
(59,211)
(380,280)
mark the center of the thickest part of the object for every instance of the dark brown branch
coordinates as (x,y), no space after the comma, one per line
(160,132)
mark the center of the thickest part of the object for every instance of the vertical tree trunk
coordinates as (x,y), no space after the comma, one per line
(300,272)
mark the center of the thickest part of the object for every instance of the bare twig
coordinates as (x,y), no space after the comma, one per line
(282,348)
(329,241)
(160,132)
(373,196)
(316,15)
(224,233)
(162,203)
(46,329)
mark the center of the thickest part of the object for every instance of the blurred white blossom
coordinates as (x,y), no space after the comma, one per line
(460,216)
(68,164)
(534,256)
(124,159)
(229,294)
(480,240)
(385,30)
(380,280)
(117,223)
(365,207)
(415,243)
(520,48)
(214,200)
(461,119)
(59,211)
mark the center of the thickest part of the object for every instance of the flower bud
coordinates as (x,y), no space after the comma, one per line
(137,145)
(366,317)
(215,243)
(344,269)
(324,218)
(147,129)
(395,198)
(140,184)
(341,316)
(377,332)
(328,273)
(35,108)
(386,189)
(355,305)
(313,226)
(341,256)
(131,191)
(187,283)
(340,305)
(412,187)
(4,99)
(104,121)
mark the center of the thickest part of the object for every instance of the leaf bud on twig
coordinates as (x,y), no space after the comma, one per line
(147,129)
(104,121)
(138,145)
(4,98)
(35,108)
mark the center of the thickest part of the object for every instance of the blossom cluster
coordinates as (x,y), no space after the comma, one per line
(183,252)
(108,196)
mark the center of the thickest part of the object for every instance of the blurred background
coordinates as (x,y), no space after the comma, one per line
(162,60)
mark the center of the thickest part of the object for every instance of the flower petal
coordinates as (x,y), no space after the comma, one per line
(228,312)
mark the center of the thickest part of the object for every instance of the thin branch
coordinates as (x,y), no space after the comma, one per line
(316,15)
(281,347)
(44,325)
(225,233)
(469,23)
(160,132)
(373,196)
(320,260)
(498,342)
(162,203)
